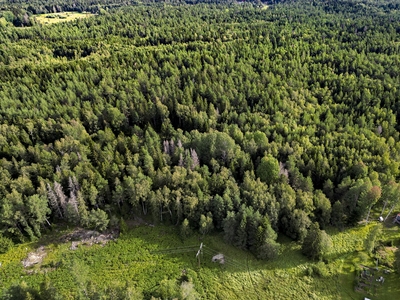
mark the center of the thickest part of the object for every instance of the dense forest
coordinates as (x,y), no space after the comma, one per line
(248,119)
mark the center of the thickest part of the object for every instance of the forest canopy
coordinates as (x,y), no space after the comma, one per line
(241,118)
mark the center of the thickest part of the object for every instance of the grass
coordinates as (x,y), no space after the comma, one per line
(47,19)
(145,256)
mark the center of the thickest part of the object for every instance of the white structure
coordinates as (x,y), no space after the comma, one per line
(219,258)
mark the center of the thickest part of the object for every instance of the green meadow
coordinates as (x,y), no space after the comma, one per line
(47,19)
(149,259)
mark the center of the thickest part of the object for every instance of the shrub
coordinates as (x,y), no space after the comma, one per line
(320,269)
(185,230)
(123,227)
(372,241)
(385,256)
(309,271)
(5,244)
(114,222)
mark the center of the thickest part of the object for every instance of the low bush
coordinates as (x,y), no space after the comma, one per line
(5,244)
(385,256)
(320,269)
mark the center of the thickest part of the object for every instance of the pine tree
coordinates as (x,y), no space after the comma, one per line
(82,210)
(61,198)
(53,201)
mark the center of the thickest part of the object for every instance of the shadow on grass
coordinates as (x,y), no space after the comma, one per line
(146,255)
(164,241)
(390,289)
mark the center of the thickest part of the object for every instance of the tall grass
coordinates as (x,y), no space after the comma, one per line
(144,256)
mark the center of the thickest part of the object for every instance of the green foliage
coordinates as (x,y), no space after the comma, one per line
(337,216)
(323,209)
(48,291)
(206,224)
(385,256)
(320,269)
(397,261)
(5,244)
(317,243)
(267,247)
(98,219)
(248,229)
(168,289)
(229,226)
(296,224)
(80,274)
(123,227)
(20,291)
(187,291)
(217,145)
(135,264)
(185,230)
(372,240)
(217,114)
(268,169)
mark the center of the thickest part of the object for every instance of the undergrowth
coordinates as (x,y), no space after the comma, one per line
(153,259)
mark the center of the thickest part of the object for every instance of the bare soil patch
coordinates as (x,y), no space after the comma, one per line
(138,221)
(34,257)
(88,237)
(77,237)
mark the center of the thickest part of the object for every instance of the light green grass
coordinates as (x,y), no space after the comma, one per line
(53,18)
(144,257)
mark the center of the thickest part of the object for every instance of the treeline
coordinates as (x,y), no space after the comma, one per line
(22,13)
(231,118)
(45,6)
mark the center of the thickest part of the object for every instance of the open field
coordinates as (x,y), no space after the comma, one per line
(61,17)
(147,256)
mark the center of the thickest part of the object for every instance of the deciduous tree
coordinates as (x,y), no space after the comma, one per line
(317,243)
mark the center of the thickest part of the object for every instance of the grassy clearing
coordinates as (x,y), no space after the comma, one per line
(145,256)
(53,18)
